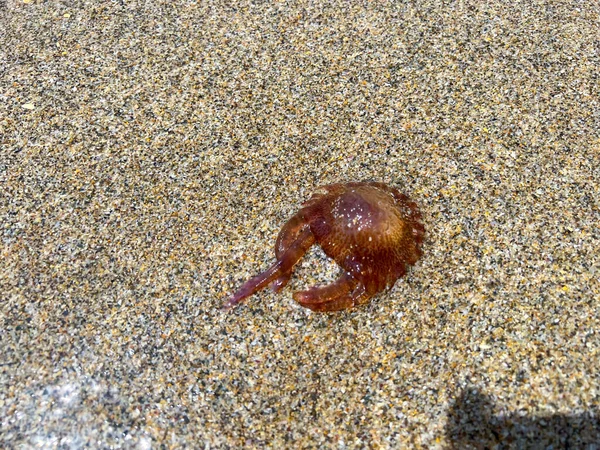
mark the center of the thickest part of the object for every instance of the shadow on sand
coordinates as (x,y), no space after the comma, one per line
(471,425)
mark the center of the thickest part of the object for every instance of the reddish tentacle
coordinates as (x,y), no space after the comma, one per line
(283,266)
(344,293)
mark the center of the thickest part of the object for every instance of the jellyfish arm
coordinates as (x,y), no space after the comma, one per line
(280,271)
(343,293)
(287,238)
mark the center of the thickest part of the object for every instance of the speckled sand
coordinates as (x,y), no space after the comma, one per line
(150,152)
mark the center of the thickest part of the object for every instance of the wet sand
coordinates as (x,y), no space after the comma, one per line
(150,153)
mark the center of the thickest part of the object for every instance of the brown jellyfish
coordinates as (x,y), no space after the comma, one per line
(369,229)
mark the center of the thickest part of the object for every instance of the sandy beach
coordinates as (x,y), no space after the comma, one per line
(150,152)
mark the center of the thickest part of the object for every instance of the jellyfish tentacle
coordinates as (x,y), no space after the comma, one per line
(343,293)
(287,237)
(320,294)
(283,267)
